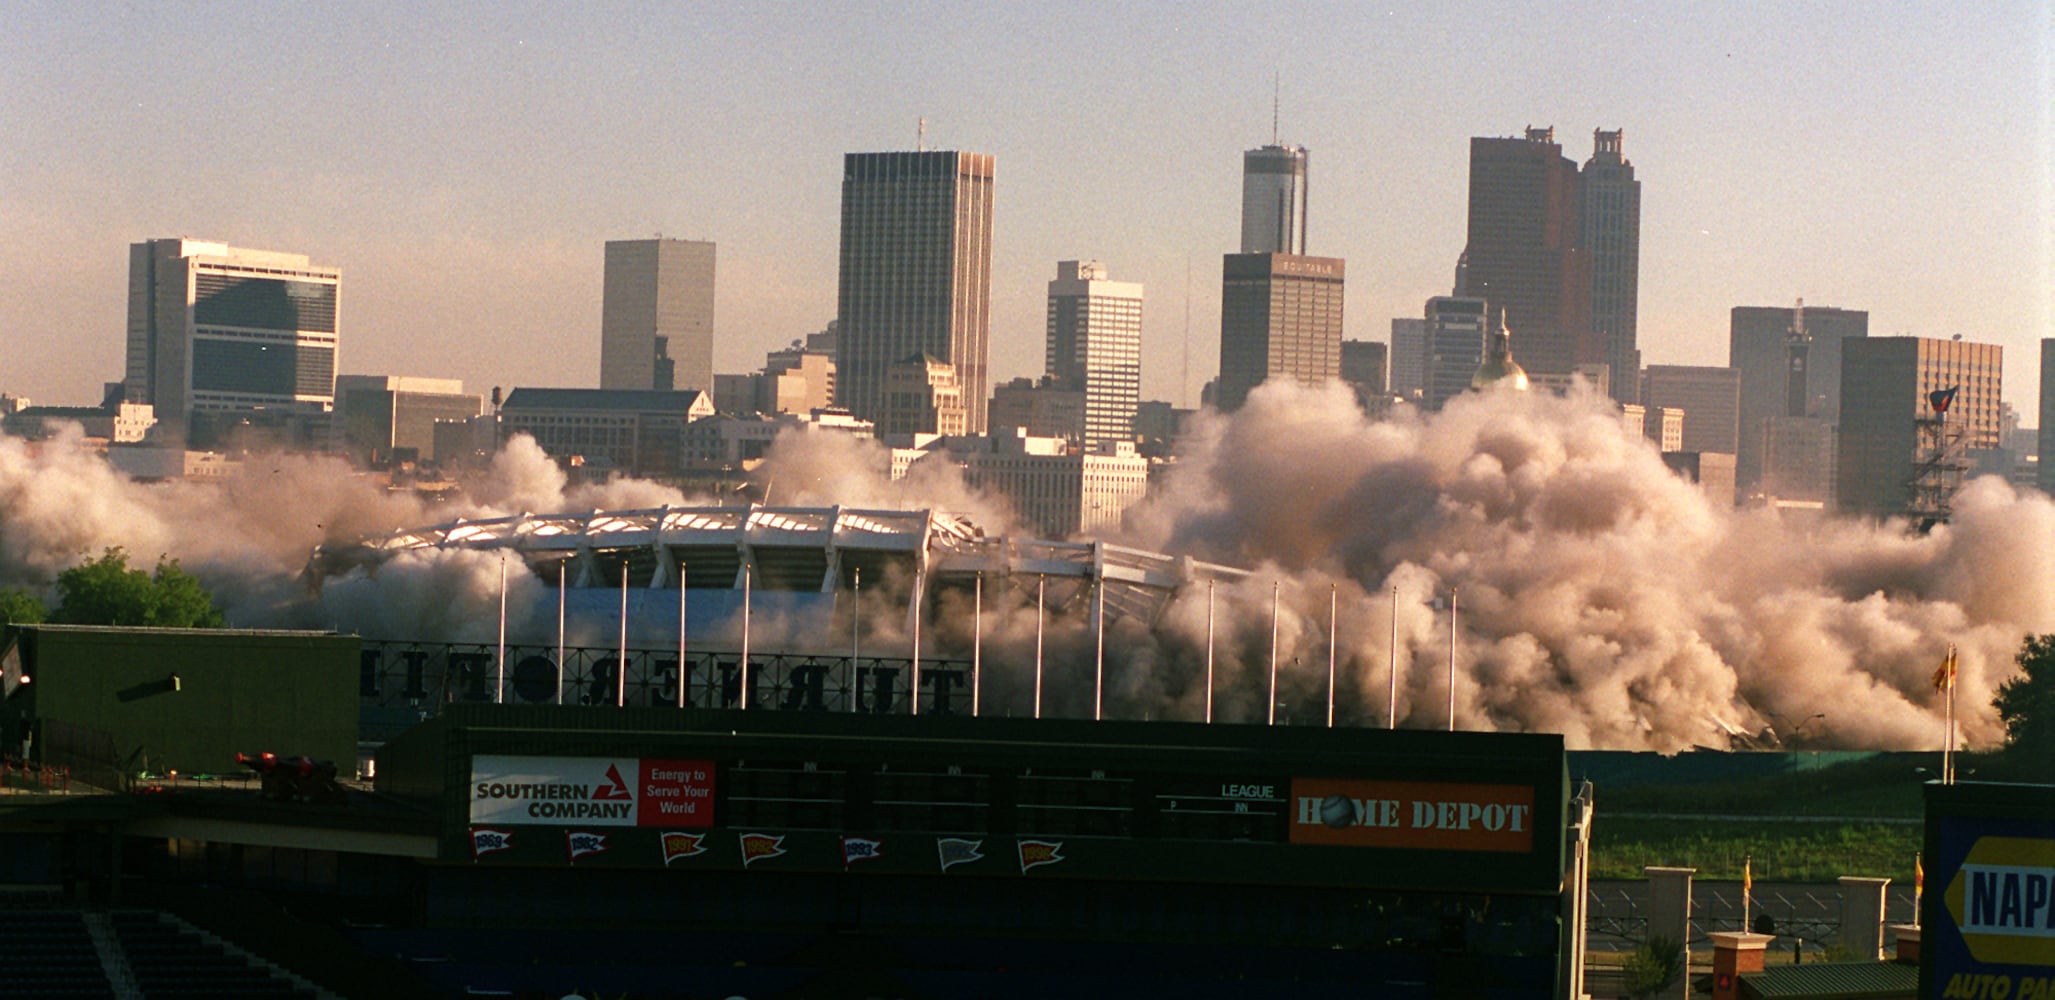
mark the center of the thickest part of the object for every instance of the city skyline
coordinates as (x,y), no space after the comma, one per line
(465,174)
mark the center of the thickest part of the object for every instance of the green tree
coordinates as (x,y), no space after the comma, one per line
(106,591)
(1652,966)
(2027,705)
(20,607)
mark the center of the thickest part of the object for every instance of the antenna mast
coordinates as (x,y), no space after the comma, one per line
(1274,77)
(920,137)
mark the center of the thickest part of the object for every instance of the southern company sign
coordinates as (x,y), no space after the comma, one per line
(591,791)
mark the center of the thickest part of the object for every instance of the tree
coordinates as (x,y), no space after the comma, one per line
(1653,966)
(106,591)
(19,607)
(2027,705)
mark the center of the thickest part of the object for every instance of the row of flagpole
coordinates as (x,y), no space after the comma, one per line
(977,647)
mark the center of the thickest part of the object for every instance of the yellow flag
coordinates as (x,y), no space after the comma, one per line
(1944,678)
(1747,875)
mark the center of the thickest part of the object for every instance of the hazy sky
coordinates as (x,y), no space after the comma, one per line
(464,163)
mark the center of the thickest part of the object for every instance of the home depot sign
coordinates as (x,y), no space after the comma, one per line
(1426,815)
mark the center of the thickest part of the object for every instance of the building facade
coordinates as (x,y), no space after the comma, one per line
(916,272)
(1055,490)
(218,333)
(1898,453)
(923,395)
(1789,359)
(1456,328)
(1095,341)
(1710,398)
(1524,255)
(1274,200)
(1052,407)
(1408,358)
(1280,317)
(1609,210)
(605,431)
(2044,471)
(1363,364)
(657,315)
(377,416)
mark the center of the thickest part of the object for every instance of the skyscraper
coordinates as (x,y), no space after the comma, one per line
(1408,357)
(916,272)
(1898,453)
(219,330)
(1280,317)
(2044,468)
(1789,360)
(1095,342)
(1524,255)
(1610,214)
(1274,200)
(1456,336)
(1710,398)
(656,327)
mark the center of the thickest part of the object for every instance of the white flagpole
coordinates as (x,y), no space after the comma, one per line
(1948,751)
(977,643)
(1099,661)
(918,587)
(855,634)
(560,630)
(1272,719)
(1391,702)
(499,694)
(1452,659)
(745,636)
(621,662)
(1209,650)
(1041,585)
(1332,598)
(681,635)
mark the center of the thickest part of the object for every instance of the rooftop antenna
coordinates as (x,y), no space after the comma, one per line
(920,137)
(1274,77)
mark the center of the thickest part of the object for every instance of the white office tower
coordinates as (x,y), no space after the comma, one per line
(1095,343)
(221,332)
(1274,200)
(656,327)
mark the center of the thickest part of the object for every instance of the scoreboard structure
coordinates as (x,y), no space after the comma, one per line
(1420,862)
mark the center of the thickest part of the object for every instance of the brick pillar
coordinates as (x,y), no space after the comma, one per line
(1735,952)
(1669,916)
(1862,917)
(1907,946)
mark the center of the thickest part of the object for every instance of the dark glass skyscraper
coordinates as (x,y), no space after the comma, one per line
(1610,210)
(1524,255)
(916,272)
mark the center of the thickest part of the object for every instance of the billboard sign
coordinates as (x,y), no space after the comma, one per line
(591,791)
(1990,927)
(1421,815)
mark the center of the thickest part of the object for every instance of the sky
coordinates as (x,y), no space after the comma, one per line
(463,164)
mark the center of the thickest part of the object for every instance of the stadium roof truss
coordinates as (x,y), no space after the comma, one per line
(941,550)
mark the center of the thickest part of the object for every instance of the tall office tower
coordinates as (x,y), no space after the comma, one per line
(1408,357)
(916,277)
(2044,466)
(1610,215)
(1709,397)
(1095,342)
(1280,317)
(1456,335)
(1763,343)
(1274,200)
(656,326)
(215,330)
(1898,453)
(1523,254)
(1363,364)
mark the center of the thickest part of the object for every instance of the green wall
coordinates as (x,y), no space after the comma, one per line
(288,693)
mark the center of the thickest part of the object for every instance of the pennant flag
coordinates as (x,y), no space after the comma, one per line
(1919,886)
(1944,678)
(1940,399)
(856,849)
(484,841)
(958,851)
(682,845)
(579,844)
(1036,853)
(760,847)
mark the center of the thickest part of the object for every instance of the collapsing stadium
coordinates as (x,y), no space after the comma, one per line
(823,608)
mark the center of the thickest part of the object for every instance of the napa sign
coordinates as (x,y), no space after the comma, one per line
(1990,930)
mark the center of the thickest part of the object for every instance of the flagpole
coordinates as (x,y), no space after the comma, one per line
(621,662)
(560,630)
(745,636)
(918,587)
(1041,584)
(1948,752)
(1747,889)
(1452,659)
(977,642)
(1209,650)
(1099,655)
(1332,591)
(855,640)
(1391,702)
(499,695)
(681,635)
(1272,720)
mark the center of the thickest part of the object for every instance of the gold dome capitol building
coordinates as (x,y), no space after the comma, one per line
(1499,369)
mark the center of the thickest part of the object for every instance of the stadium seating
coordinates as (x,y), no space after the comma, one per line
(48,953)
(171,963)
